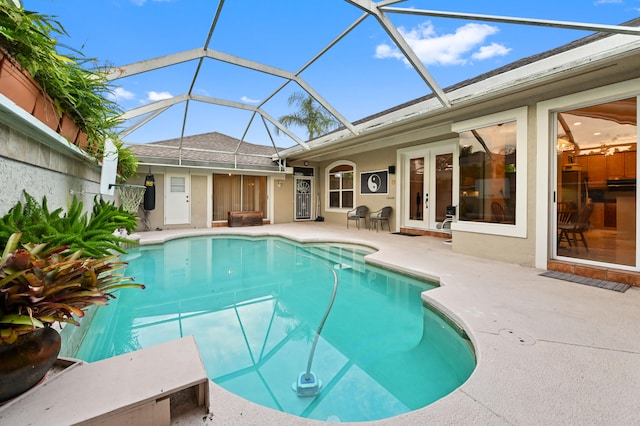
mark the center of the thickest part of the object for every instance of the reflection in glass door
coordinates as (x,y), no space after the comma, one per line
(416,189)
(596,196)
(427,187)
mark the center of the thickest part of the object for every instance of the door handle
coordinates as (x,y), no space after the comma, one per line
(426,201)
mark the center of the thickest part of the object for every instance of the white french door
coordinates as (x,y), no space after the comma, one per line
(427,185)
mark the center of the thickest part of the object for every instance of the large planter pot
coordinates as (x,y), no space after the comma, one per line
(17,85)
(82,141)
(68,128)
(26,361)
(46,111)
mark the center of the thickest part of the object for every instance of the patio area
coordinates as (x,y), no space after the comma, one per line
(549,351)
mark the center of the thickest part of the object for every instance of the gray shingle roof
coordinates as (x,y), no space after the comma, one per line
(208,149)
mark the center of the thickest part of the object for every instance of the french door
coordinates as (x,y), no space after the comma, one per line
(427,184)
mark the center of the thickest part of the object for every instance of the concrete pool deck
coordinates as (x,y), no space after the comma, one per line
(549,351)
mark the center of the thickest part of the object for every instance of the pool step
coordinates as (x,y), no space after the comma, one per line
(135,388)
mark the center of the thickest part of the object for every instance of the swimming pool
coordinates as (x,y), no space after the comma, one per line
(254,305)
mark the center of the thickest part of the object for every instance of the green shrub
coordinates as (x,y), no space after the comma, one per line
(93,234)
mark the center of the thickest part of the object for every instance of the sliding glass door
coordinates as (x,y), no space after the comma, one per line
(596,194)
(238,193)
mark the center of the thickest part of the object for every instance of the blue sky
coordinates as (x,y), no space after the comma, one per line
(360,76)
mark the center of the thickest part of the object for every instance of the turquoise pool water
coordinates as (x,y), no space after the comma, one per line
(254,306)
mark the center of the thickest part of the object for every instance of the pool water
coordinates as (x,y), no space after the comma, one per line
(254,305)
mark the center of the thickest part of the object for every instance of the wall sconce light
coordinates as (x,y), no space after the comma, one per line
(306,163)
(279,183)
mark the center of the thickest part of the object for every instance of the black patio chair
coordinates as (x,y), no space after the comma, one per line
(379,217)
(357,214)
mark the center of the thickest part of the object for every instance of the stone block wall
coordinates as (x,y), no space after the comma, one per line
(27,163)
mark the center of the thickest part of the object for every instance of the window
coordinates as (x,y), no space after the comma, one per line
(341,186)
(488,174)
(492,174)
(177,184)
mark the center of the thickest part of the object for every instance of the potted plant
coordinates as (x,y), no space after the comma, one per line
(73,89)
(41,285)
(53,265)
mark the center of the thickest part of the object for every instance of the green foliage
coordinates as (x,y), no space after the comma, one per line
(313,117)
(41,284)
(92,234)
(71,80)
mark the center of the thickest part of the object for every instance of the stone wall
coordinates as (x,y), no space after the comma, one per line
(33,165)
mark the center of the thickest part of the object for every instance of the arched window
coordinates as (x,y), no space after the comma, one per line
(341,178)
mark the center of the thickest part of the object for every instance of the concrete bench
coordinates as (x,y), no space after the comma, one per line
(248,218)
(134,388)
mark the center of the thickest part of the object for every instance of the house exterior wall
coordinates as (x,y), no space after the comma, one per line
(283,199)
(28,164)
(520,250)
(280,200)
(506,248)
(199,198)
(152,219)
(374,160)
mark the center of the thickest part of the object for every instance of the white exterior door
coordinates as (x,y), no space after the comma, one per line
(427,185)
(177,194)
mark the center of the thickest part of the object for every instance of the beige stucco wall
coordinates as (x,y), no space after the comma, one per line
(509,249)
(376,160)
(199,198)
(154,218)
(283,199)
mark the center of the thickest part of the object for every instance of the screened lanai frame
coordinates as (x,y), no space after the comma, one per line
(378,10)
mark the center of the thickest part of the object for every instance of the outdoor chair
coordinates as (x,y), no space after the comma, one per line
(357,214)
(570,231)
(379,217)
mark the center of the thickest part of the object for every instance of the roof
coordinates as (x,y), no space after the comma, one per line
(208,150)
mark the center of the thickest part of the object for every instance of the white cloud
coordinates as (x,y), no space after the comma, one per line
(158,96)
(490,51)
(385,51)
(249,100)
(597,2)
(445,49)
(120,94)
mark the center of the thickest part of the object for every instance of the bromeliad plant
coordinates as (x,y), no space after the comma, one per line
(41,285)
